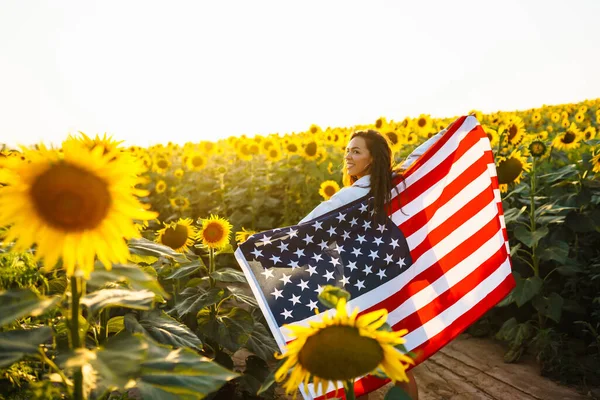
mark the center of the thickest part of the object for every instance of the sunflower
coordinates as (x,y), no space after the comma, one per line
(565,123)
(178,235)
(310,150)
(596,161)
(161,186)
(179,202)
(423,123)
(537,148)
(328,189)
(195,161)
(215,232)
(340,348)
(515,130)
(292,147)
(381,124)
(589,133)
(492,135)
(570,139)
(76,204)
(511,169)
(536,116)
(243,235)
(178,173)
(243,151)
(315,130)
(411,138)
(274,153)
(555,117)
(579,117)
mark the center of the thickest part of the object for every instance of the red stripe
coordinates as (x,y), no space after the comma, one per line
(456,220)
(434,176)
(439,268)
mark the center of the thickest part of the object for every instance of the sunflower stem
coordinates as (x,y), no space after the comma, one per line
(75,339)
(534,257)
(349,389)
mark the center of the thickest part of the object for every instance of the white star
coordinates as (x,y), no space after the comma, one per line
(381,228)
(363,207)
(308,239)
(318,225)
(303,284)
(353,222)
(367,270)
(293,264)
(319,289)
(334,261)
(299,252)
(275,259)
(377,241)
(283,246)
(312,270)
(277,293)
(323,244)
(328,275)
(287,314)
(265,240)
(388,258)
(373,255)
(366,224)
(312,304)
(359,284)
(331,231)
(341,217)
(257,253)
(295,299)
(267,273)
(401,262)
(285,279)
(346,235)
(293,232)
(361,238)
(339,249)
(317,257)
(344,280)
(356,252)
(351,266)
(381,274)
(394,243)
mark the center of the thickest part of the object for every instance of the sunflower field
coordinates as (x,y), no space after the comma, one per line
(117,275)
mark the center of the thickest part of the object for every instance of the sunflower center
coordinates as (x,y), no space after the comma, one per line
(422,122)
(71,198)
(311,149)
(509,170)
(512,131)
(569,137)
(340,353)
(273,153)
(175,237)
(329,190)
(197,161)
(392,137)
(292,148)
(213,232)
(162,164)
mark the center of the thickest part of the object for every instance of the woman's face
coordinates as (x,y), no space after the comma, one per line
(358,157)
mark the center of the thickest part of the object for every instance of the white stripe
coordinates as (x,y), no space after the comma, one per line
(502,222)
(459,272)
(449,315)
(492,169)
(468,193)
(497,196)
(394,285)
(432,193)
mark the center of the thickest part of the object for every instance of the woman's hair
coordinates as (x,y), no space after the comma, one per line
(381,170)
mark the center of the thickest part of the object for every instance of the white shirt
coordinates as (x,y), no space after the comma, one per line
(362,186)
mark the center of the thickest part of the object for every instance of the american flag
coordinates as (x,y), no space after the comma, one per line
(438,263)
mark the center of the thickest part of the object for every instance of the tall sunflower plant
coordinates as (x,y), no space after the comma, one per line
(94,324)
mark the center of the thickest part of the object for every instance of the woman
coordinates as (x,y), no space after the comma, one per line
(368,166)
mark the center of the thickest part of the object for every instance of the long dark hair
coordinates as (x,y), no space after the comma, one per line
(381,170)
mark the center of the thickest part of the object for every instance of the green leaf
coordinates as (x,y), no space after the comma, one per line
(202,299)
(19,303)
(228,275)
(240,295)
(120,360)
(186,270)
(396,393)
(136,299)
(179,374)
(508,330)
(530,238)
(132,274)
(566,172)
(526,289)
(116,324)
(550,306)
(16,344)
(559,251)
(580,223)
(164,329)
(145,247)
(513,214)
(235,328)
(261,342)
(331,295)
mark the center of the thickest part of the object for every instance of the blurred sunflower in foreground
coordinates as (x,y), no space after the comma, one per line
(75,203)
(341,348)
(179,235)
(215,232)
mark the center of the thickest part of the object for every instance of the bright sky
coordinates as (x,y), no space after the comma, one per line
(153,71)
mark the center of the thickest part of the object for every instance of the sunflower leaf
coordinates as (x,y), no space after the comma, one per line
(186,269)
(164,329)
(228,275)
(14,345)
(145,247)
(136,299)
(137,278)
(19,303)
